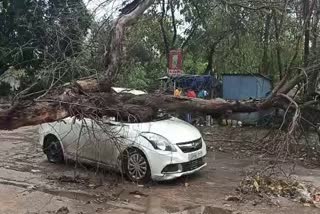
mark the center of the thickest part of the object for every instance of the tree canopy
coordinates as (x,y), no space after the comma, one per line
(39,35)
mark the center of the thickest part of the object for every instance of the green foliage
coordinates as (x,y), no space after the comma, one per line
(37,34)
(193,64)
(136,78)
(55,40)
(231,35)
(144,61)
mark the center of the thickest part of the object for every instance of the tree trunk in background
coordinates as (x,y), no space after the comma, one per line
(174,25)
(210,59)
(306,11)
(278,47)
(315,29)
(265,59)
(212,51)
(163,32)
(278,25)
(312,12)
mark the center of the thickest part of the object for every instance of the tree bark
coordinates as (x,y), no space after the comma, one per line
(113,59)
(306,11)
(278,49)
(265,58)
(163,32)
(315,28)
(278,31)
(174,25)
(212,51)
(186,41)
(314,79)
(210,58)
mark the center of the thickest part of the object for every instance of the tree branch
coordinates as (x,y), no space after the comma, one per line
(174,25)
(114,54)
(163,32)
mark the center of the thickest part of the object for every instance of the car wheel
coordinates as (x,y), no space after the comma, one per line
(136,166)
(53,150)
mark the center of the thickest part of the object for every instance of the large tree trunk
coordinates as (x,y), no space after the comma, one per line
(85,99)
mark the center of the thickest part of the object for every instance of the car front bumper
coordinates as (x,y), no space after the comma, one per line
(173,175)
(158,161)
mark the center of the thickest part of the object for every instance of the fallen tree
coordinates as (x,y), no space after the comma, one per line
(92,98)
(84,98)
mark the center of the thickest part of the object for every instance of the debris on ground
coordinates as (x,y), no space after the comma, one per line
(270,187)
(70,179)
(232,198)
(316,199)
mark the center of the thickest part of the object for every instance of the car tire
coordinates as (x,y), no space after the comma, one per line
(52,148)
(136,166)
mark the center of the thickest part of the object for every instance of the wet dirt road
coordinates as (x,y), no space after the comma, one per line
(29,184)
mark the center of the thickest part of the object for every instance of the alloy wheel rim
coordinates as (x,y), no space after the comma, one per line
(137,166)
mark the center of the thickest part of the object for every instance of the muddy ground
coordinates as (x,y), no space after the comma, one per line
(29,184)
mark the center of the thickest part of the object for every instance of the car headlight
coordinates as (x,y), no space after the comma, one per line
(159,142)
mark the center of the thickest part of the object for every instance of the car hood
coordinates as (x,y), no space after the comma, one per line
(174,129)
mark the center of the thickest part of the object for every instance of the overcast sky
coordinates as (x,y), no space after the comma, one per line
(101,8)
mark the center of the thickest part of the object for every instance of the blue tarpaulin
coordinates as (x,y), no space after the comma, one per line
(196,82)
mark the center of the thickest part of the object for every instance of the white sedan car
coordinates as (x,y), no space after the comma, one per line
(163,149)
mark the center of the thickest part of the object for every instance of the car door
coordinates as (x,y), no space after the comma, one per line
(74,137)
(105,140)
(93,141)
(85,139)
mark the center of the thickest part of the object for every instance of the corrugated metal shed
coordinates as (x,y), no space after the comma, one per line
(245,86)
